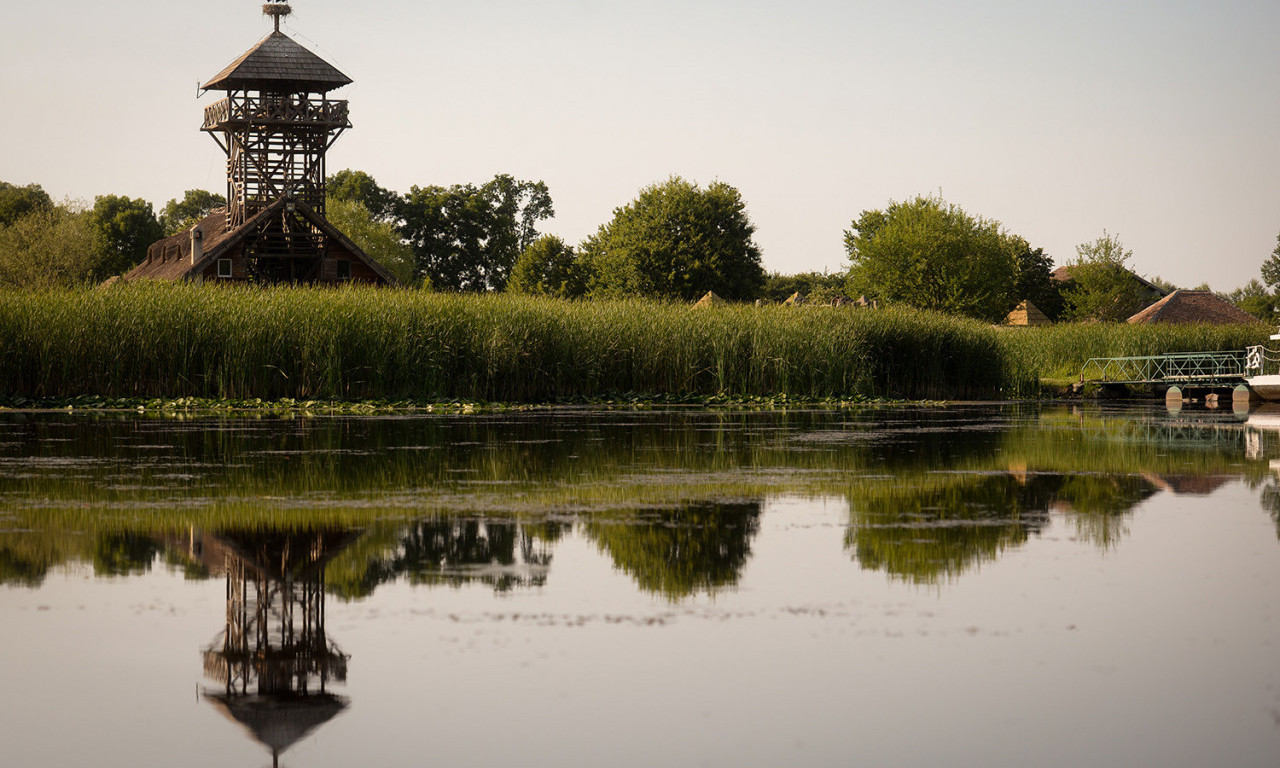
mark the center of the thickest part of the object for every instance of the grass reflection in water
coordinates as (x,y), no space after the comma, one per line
(672,497)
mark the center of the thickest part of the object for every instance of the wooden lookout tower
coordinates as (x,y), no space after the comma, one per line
(275,126)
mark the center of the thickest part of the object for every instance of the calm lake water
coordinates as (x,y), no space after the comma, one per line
(908,586)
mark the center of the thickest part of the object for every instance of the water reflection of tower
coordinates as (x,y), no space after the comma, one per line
(273,662)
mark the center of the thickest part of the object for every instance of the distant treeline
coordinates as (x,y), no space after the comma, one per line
(675,241)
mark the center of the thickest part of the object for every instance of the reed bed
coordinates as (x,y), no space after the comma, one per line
(161,340)
(1060,351)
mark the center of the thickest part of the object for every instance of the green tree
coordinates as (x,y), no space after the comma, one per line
(1168,286)
(379,239)
(47,247)
(178,215)
(467,238)
(931,254)
(1255,299)
(1101,286)
(1035,279)
(549,267)
(816,287)
(1271,268)
(125,228)
(360,187)
(677,241)
(17,202)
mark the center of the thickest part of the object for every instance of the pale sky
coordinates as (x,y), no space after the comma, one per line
(1156,121)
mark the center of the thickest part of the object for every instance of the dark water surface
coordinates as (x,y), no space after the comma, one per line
(969,585)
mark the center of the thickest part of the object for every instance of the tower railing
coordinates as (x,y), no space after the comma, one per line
(260,109)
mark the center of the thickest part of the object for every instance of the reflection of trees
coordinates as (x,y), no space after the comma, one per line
(21,567)
(929,535)
(938,530)
(677,552)
(1271,503)
(124,554)
(343,471)
(452,551)
(26,557)
(1098,504)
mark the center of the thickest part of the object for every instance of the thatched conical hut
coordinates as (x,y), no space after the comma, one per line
(1027,314)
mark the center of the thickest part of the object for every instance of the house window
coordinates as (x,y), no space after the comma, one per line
(224,268)
(344,269)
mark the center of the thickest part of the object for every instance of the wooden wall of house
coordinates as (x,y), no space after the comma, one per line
(361,272)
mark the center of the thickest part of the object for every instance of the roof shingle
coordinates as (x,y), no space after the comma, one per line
(278,63)
(1193,307)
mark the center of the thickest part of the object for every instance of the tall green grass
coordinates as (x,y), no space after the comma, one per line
(211,341)
(162,340)
(1060,351)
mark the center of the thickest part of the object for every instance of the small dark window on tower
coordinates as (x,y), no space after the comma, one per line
(344,269)
(224,268)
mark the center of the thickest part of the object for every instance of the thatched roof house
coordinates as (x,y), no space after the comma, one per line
(1193,307)
(1027,314)
(211,251)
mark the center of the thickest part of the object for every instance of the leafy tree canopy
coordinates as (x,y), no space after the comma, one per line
(1035,281)
(1168,286)
(178,215)
(56,246)
(677,241)
(360,187)
(1102,287)
(930,254)
(817,287)
(125,228)
(467,238)
(549,267)
(1271,267)
(1255,299)
(16,202)
(379,239)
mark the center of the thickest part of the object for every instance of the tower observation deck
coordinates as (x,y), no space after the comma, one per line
(275,125)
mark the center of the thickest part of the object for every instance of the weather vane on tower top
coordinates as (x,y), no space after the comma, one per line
(276,9)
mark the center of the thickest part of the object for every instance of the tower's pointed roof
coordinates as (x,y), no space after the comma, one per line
(278,63)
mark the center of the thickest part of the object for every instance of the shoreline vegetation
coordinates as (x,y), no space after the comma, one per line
(353,350)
